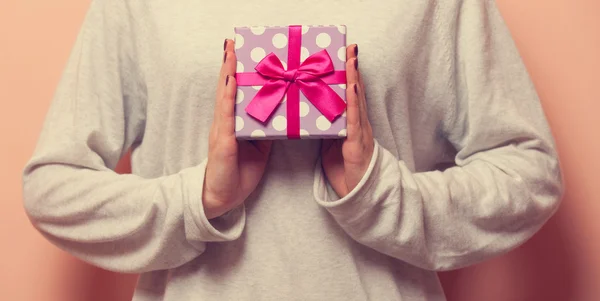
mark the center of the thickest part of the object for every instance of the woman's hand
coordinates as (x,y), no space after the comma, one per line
(346,161)
(234,167)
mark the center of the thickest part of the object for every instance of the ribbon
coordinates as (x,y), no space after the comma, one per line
(312,77)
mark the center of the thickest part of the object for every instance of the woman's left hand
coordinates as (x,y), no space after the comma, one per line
(346,161)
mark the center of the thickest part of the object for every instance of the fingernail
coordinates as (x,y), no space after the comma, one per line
(356,50)
(226,80)
(225,57)
(356,64)
(356,89)
(225,45)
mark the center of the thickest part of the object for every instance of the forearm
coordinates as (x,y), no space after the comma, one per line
(123,222)
(451,219)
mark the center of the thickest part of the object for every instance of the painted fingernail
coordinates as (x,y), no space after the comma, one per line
(226,80)
(225,57)
(356,50)
(356,89)
(225,45)
(356,64)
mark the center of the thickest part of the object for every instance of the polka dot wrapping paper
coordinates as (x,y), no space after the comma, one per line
(252,45)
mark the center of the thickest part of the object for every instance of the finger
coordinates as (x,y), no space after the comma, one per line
(226,123)
(229,63)
(351,52)
(228,66)
(353,125)
(220,88)
(352,108)
(351,66)
(362,102)
(362,105)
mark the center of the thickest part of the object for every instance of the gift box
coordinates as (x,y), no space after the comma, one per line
(291,82)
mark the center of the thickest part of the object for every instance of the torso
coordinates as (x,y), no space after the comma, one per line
(291,249)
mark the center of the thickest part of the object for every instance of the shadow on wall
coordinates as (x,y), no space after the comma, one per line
(544,268)
(97,284)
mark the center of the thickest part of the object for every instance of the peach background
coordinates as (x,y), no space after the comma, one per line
(559,41)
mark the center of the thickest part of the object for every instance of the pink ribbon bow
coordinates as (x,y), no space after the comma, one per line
(312,77)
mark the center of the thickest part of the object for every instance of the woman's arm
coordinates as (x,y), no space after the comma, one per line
(73,197)
(507,182)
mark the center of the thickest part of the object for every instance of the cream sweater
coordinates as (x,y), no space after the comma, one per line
(464,168)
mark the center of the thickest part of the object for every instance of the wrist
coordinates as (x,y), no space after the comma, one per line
(213,206)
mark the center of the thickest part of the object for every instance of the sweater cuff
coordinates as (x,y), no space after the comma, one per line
(351,207)
(198,228)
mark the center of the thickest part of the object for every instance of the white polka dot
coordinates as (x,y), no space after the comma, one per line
(342,29)
(304,54)
(258,133)
(284,99)
(343,86)
(239,67)
(284,64)
(303,109)
(323,40)
(239,123)
(344,114)
(257,30)
(239,96)
(342,54)
(342,133)
(257,87)
(305,29)
(280,40)
(323,124)
(239,41)
(257,54)
(279,123)
(304,133)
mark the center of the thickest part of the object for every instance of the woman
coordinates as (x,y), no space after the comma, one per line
(449,160)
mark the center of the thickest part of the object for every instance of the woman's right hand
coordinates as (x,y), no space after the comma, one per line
(234,167)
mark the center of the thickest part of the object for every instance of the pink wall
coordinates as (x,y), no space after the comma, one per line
(559,41)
